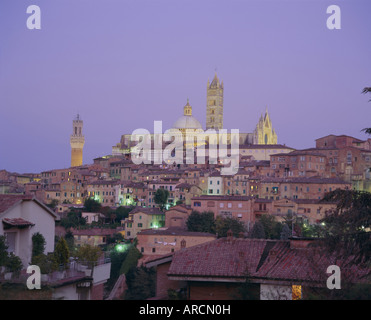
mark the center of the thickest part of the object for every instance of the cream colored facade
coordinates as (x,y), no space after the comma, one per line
(264,132)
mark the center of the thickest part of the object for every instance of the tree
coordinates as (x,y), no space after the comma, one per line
(161,196)
(92,205)
(88,255)
(141,283)
(53,203)
(257,231)
(122,213)
(3,251)
(201,222)
(272,228)
(346,229)
(117,259)
(61,253)
(70,240)
(45,262)
(74,219)
(38,244)
(224,224)
(364,91)
(13,264)
(131,260)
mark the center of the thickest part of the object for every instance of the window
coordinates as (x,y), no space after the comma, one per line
(349,157)
(10,240)
(197,204)
(229,205)
(140,225)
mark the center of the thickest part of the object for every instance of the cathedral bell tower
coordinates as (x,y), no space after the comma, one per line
(214,106)
(77,141)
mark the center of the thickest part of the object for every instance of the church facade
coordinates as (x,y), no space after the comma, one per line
(264,132)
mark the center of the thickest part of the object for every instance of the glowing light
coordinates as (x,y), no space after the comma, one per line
(296,292)
(120,247)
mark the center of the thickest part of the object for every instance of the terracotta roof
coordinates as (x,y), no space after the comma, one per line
(17,222)
(223,197)
(303,180)
(261,258)
(108,182)
(264,146)
(146,210)
(312,152)
(9,200)
(94,232)
(183,185)
(176,231)
(218,258)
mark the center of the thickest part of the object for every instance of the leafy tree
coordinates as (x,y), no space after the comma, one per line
(45,262)
(131,260)
(346,229)
(3,251)
(272,228)
(117,259)
(161,196)
(201,222)
(61,253)
(223,224)
(122,213)
(117,237)
(141,283)
(74,219)
(13,263)
(346,242)
(92,205)
(38,244)
(70,240)
(53,203)
(88,255)
(257,231)
(367,90)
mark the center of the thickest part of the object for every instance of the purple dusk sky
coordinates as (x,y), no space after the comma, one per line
(123,64)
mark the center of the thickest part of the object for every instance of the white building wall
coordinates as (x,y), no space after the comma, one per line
(274,292)
(44,224)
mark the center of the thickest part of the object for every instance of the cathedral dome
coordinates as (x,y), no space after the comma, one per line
(187,121)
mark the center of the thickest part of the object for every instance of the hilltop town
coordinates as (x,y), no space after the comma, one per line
(199,230)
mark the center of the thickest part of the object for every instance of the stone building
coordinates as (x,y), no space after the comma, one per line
(77,141)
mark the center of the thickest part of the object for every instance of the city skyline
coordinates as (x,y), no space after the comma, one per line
(122,65)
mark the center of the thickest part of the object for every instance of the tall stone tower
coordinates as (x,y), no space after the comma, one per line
(77,141)
(214,106)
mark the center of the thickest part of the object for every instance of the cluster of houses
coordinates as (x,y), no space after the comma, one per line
(271,179)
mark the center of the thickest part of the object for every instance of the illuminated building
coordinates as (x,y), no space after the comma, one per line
(77,141)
